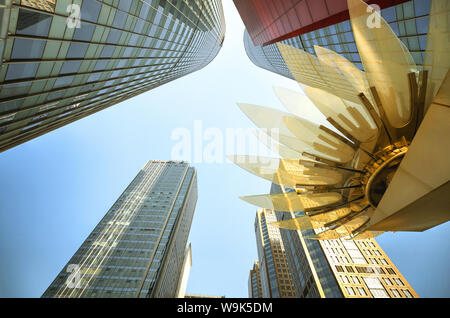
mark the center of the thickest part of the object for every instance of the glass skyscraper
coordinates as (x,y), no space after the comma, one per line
(139,248)
(61,61)
(339,268)
(408,20)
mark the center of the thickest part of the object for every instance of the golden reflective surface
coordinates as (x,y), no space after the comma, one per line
(287,172)
(306,222)
(322,142)
(353,117)
(309,70)
(294,102)
(386,62)
(271,141)
(291,201)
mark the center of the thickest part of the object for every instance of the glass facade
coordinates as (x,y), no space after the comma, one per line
(270,21)
(408,20)
(56,69)
(339,268)
(138,248)
(306,260)
(254,282)
(275,277)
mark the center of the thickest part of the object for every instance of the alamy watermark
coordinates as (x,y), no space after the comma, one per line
(73,20)
(374,20)
(212,144)
(74,278)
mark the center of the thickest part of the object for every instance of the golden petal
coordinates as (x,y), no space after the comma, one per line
(287,172)
(385,61)
(351,116)
(271,141)
(309,70)
(291,201)
(320,140)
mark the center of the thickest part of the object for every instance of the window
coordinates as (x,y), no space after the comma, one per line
(107,51)
(399,282)
(33,23)
(84,32)
(362,291)
(375,287)
(77,50)
(395,292)
(63,81)
(94,77)
(390,271)
(113,36)
(21,71)
(14,90)
(70,67)
(407,293)
(364,269)
(422,25)
(350,291)
(119,19)
(100,65)
(27,49)
(90,10)
(387,281)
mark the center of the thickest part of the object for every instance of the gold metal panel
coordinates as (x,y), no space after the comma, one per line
(386,62)
(351,116)
(291,201)
(309,70)
(321,141)
(287,172)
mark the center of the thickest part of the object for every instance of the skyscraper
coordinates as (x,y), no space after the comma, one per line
(270,21)
(62,61)
(254,282)
(340,267)
(329,29)
(274,272)
(139,247)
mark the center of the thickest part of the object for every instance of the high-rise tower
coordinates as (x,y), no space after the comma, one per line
(139,247)
(254,282)
(325,23)
(61,61)
(276,281)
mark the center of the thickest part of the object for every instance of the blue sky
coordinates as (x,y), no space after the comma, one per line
(56,188)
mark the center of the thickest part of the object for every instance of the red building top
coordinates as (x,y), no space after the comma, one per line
(270,21)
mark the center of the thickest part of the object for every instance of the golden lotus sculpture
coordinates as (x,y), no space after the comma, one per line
(337,177)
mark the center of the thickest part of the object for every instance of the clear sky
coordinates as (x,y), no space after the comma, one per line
(56,188)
